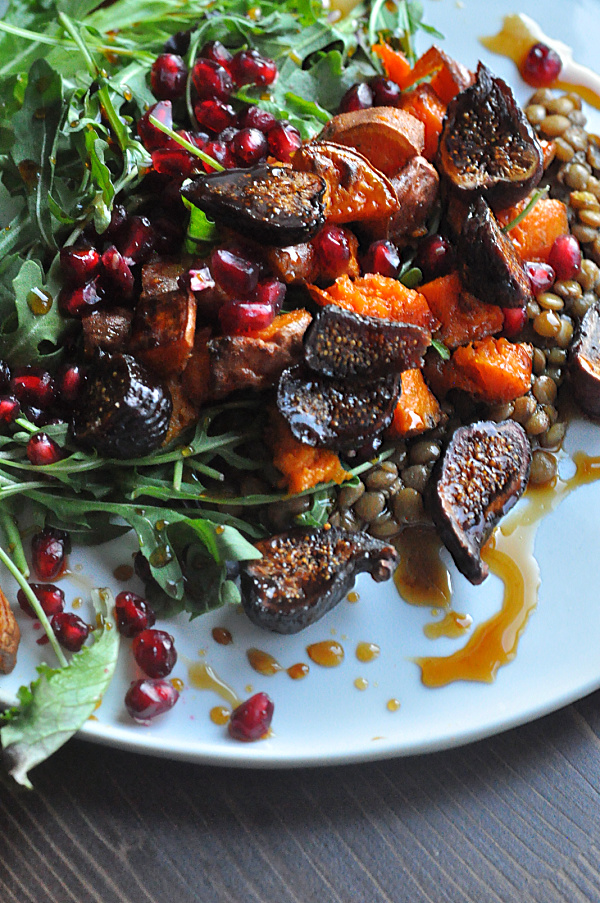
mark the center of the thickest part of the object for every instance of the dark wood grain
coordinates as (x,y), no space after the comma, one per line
(512,818)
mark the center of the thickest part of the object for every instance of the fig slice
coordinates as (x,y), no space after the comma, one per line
(490,267)
(342,343)
(482,474)
(304,573)
(487,146)
(342,415)
(584,364)
(270,204)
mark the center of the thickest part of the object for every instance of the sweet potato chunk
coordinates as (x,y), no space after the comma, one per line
(424,104)
(183,414)
(463,317)
(534,236)
(294,264)
(417,190)
(355,189)
(163,330)
(9,636)
(302,466)
(387,137)
(494,371)
(195,380)
(417,409)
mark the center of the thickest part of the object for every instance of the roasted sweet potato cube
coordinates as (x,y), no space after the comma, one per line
(163,331)
(387,137)
(195,380)
(9,636)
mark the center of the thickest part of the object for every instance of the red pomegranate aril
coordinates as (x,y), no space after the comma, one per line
(42,450)
(228,134)
(565,257)
(50,597)
(133,614)
(220,152)
(4,375)
(79,264)
(215,115)
(118,218)
(169,234)
(178,43)
(248,67)
(252,719)
(233,272)
(211,80)
(284,139)
(154,652)
(541,276)
(332,247)
(199,280)
(117,271)
(515,319)
(199,139)
(386,93)
(358,97)
(69,383)
(75,302)
(70,630)
(434,257)
(145,699)
(177,163)
(168,76)
(255,118)
(382,257)
(240,317)
(151,137)
(541,67)
(249,146)
(138,241)
(10,408)
(33,385)
(49,550)
(269,291)
(217,52)
(34,415)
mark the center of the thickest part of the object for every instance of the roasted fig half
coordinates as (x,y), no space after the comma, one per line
(487,145)
(585,363)
(124,410)
(489,265)
(332,413)
(271,204)
(342,343)
(482,474)
(303,574)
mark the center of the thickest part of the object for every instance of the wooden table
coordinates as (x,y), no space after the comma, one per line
(512,818)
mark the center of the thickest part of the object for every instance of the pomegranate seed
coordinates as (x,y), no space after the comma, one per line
(541,67)
(255,118)
(34,386)
(541,276)
(248,67)
(199,139)
(284,139)
(252,719)
(249,147)
(221,153)
(382,257)
(69,383)
(214,115)
(34,415)
(228,134)
(75,302)
(269,291)
(145,699)
(176,163)
(332,247)
(358,97)
(154,652)
(50,597)
(49,550)
(514,321)
(240,317)
(233,272)
(211,80)
(118,218)
(169,234)
(133,614)
(70,631)
(138,241)
(434,257)
(565,257)
(168,76)
(150,136)
(386,93)
(79,265)
(216,52)
(4,375)
(117,272)
(42,450)
(178,43)
(10,408)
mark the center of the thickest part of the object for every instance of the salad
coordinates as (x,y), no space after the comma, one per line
(181,258)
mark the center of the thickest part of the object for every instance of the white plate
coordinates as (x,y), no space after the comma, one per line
(324,719)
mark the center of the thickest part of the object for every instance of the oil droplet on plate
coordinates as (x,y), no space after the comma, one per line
(222,636)
(177,684)
(367,652)
(219,715)
(421,577)
(77,602)
(392,705)
(202,677)
(353,597)
(361,684)
(298,671)
(263,662)
(327,653)
(452,625)
(123,572)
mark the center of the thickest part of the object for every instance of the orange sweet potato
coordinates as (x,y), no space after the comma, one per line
(417,409)
(378,296)
(162,332)
(195,380)
(534,236)
(184,413)
(387,137)
(424,104)
(494,371)
(302,466)
(395,64)
(463,317)
(299,318)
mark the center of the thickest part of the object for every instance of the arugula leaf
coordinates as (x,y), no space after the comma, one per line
(58,703)
(27,337)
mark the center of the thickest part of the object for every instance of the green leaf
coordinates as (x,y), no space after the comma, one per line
(441,349)
(29,338)
(58,703)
